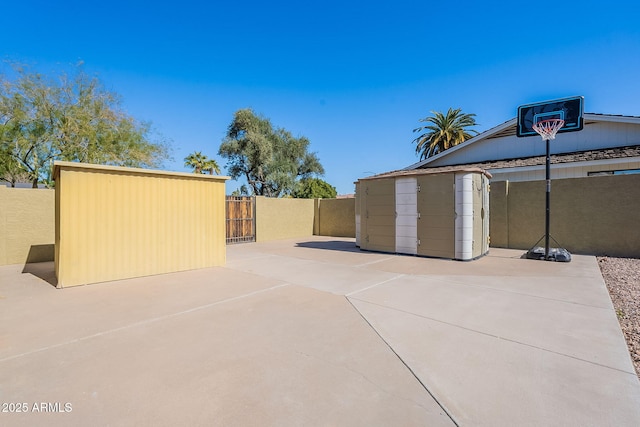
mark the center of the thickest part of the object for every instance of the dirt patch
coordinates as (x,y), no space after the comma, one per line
(622,276)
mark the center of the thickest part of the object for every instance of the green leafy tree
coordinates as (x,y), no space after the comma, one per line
(443,131)
(314,188)
(10,170)
(201,163)
(271,159)
(71,118)
(242,191)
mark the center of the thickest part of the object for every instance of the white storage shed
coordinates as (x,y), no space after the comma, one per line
(442,214)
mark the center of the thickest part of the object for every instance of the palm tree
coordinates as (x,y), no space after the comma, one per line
(211,166)
(443,132)
(201,163)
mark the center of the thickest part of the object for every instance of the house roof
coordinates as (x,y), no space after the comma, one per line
(508,128)
(582,156)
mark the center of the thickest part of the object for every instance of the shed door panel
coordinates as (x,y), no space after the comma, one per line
(379,215)
(436,222)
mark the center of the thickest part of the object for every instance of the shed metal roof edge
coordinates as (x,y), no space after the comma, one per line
(58,164)
(416,172)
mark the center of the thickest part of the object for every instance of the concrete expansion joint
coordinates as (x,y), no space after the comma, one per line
(375,284)
(424,386)
(361,375)
(373,262)
(631,372)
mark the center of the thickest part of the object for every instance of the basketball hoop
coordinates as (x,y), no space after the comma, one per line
(547,129)
(547,119)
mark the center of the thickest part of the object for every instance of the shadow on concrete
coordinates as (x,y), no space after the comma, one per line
(41,253)
(43,270)
(333,245)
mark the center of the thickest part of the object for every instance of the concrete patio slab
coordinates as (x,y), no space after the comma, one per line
(330,250)
(208,347)
(339,279)
(566,328)
(555,320)
(589,291)
(506,261)
(484,380)
(313,331)
(47,316)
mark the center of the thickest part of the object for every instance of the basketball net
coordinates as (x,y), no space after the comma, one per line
(547,129)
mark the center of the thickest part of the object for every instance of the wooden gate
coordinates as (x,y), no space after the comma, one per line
(241,225)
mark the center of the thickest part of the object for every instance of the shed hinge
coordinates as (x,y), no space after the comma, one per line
(418,188)
(418,215)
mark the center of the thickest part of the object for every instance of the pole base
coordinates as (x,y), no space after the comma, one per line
(555,254)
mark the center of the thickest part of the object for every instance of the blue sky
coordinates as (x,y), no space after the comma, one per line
(354,77)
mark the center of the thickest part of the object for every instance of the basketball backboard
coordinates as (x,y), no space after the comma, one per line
(568,109)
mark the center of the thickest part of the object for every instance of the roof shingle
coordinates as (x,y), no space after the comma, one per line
(583,156)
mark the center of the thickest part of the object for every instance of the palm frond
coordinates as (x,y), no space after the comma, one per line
(443,131)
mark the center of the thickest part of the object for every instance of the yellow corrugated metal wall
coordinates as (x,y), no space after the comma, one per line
(116,223)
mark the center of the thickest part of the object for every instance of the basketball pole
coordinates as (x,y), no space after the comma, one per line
(548,211)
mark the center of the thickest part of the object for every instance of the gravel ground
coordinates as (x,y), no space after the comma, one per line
(622,276)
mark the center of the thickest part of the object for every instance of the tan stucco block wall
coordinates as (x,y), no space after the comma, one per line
(26,225)
(601,214)
(337,217)
(498,226)
(593,215)
(526,210)
(283,218)
(117,223)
